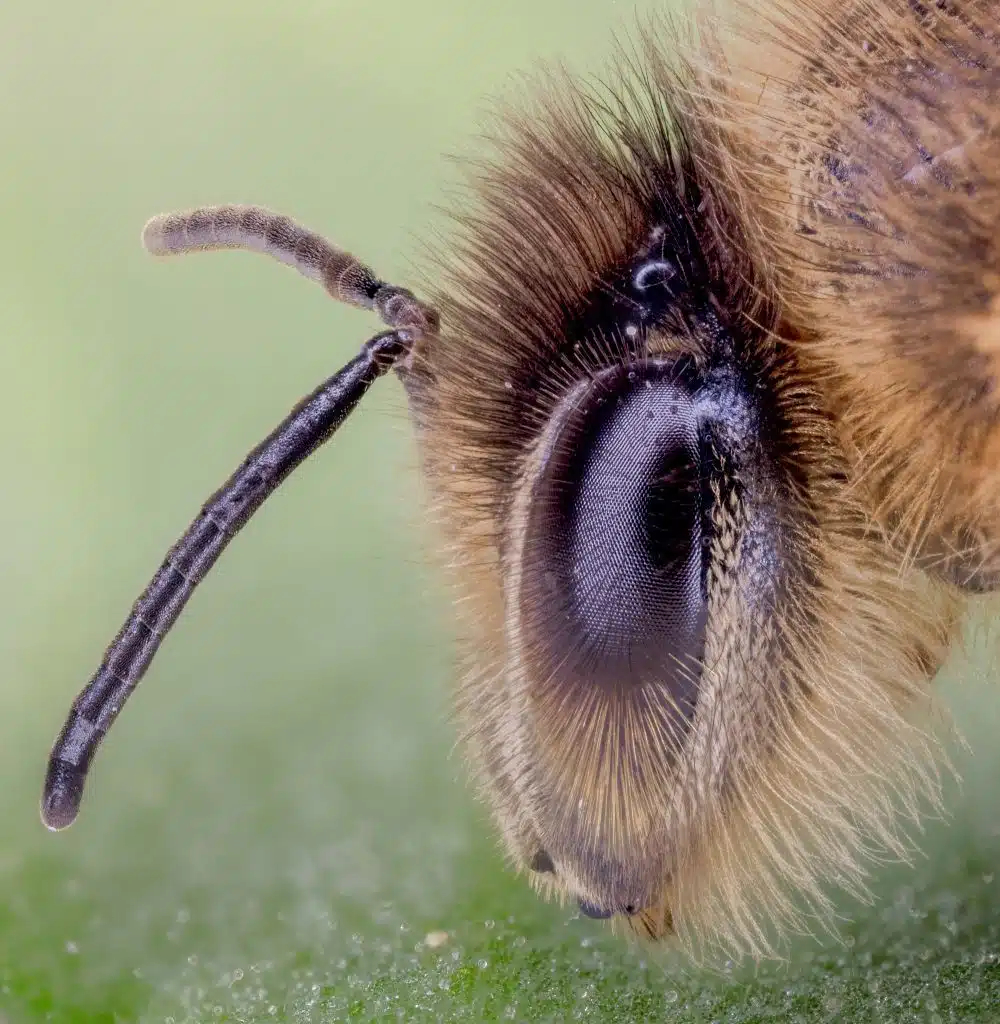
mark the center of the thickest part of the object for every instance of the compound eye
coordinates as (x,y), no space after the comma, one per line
(612,591)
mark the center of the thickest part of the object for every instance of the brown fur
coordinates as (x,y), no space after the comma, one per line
(811,738)
(896,265)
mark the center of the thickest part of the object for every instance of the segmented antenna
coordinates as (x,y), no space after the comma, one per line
(312,422)
(255,229)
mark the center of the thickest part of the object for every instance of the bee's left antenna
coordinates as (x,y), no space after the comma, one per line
(312,422)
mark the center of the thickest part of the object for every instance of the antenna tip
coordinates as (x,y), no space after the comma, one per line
(153,234)
(62,794)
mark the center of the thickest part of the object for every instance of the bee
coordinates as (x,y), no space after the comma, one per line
(705,393)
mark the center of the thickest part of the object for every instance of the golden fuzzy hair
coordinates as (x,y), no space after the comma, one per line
(885,205)
(833,212)
(906,273)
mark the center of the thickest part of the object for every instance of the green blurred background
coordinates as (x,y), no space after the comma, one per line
(279,818)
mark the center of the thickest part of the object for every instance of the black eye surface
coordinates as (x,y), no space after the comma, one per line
(612,588)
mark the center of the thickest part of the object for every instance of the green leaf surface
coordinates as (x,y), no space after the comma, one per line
(278,821)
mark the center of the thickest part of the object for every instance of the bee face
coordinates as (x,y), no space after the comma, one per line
(674,598)
(704,578)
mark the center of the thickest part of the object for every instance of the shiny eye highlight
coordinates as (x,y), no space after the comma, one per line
(612,590)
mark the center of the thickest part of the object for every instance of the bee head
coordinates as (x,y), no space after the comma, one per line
(665,582)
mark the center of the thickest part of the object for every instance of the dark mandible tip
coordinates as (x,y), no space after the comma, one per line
(595,912)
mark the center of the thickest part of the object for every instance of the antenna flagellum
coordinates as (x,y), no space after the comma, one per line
(256,229)
(312,422)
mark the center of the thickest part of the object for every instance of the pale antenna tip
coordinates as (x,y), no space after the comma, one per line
(153,234)
(62,796)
